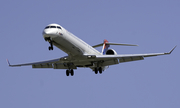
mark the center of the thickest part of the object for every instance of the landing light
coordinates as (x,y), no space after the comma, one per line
(91,56)
(64,58)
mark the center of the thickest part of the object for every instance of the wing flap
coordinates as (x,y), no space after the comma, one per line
(110,62)
(64,66)
(47,65)
(128,59)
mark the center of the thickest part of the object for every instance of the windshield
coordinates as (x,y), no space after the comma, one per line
(58,27)
(53,27)
(47,27)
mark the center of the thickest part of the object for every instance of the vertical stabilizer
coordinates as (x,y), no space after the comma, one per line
(105,47)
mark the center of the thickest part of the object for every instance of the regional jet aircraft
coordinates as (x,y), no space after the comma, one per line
(81,54)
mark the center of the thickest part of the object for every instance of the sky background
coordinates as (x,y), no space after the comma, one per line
(151,83)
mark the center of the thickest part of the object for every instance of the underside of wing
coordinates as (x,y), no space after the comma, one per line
(115,59)
(60,63)
(42,64)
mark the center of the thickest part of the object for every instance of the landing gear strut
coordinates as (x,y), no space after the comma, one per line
(51,45)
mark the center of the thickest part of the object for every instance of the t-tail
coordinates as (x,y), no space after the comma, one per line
(105,47)
(107,44)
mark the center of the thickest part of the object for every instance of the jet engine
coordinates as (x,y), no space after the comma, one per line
(111,52)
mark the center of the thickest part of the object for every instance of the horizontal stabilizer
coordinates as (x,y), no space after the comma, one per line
(121,44)
(108,43)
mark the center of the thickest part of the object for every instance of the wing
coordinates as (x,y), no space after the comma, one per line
(88,61)
(60,63)
(115,59)
(42,64)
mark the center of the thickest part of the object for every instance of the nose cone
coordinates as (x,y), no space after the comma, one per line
(48,33)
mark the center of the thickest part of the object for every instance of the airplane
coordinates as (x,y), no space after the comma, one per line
(81,54)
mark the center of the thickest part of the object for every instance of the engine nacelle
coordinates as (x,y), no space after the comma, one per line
(111,52)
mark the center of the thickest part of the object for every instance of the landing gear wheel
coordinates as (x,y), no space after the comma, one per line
(96,71)
(50,48)
(67,72)
(100,70)
(72,72)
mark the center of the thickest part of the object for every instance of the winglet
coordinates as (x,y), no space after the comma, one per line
(8,62)
(171,50)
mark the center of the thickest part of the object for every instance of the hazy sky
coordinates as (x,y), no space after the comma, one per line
(151,83)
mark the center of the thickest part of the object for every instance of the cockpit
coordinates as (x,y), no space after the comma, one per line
(52,30)
(47,27)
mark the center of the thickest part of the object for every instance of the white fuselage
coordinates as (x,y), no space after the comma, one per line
(68,42)
(80,54)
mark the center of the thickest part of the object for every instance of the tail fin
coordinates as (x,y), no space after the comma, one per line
(105,47)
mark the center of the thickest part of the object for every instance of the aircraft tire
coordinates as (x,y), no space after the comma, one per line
(67,72)
(72,72)
(50,48)
(96,71)
(100,70)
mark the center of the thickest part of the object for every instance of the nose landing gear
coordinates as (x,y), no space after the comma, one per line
(50,42)
(51,45)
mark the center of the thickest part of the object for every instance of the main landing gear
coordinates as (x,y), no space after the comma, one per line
(98,69)
(50,42)
(69,72)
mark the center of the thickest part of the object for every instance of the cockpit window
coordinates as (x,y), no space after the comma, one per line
(47,27)
(58,27)
(52,26)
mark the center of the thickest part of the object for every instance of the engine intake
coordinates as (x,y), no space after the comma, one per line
(111,52)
